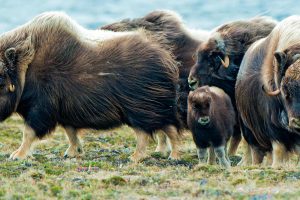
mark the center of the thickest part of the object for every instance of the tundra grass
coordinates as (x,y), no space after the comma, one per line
(105,171)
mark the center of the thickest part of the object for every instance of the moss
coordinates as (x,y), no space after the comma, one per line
(114,180)
(56,190)
(47,176)
(238,181)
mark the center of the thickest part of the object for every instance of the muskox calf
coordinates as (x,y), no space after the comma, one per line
(211,118)
(55,72)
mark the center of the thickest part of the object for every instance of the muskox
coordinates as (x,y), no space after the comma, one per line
(267,90)
(55,72)
(211,118)
(170,32)
(219,59)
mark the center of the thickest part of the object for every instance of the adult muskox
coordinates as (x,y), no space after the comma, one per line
(267,90)
(53,71)
(170,32)
(219,59)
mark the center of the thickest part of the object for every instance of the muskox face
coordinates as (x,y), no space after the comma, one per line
(8,82)
(212,62)
(287,79)
(199,103)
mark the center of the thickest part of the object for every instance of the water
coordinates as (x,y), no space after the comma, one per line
(196,13)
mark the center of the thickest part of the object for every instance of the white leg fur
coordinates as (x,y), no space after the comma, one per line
(142,140)
(211,156)
(201,152)
(28,138)
(221,155)
(162,145)
(279,153)
(171,132)
(75,147)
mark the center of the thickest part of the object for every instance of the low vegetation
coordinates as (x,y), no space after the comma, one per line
(105,171)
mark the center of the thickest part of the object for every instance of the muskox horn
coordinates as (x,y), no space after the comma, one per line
(271,93)
(11,87)
(225,62)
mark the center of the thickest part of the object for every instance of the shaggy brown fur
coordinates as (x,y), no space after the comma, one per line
(64,74)
(229,41)
(169,31)
(211,118)
(272,64)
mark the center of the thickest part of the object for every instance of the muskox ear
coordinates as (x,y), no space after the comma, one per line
(281,58)
(10,55)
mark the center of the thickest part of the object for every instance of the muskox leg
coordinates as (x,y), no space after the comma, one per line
(257,155)
(221,155)
(28,138)
(279,153)
(235,141)
(75,147)
(211,156)
(172,133)
(162,145)
(142,139)
(201,152)
(269,158)
(247,157)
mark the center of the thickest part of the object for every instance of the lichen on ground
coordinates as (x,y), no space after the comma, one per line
(105,171)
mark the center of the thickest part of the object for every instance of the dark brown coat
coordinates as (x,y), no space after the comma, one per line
(271,67)
(56,72)
(219,59)
(211,116)
(169,31)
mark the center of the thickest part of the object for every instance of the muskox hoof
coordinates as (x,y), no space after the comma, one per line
(162,149)
(137,157)
(174,156)
(73,151)
(18,155)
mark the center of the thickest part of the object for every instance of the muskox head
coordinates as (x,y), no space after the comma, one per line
(15,55)
(199,105)
(212,62)
(220,57)
(286,85)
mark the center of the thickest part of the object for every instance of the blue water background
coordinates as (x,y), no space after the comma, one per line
(196,13)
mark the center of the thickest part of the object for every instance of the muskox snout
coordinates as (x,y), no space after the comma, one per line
(193,83)
(204,120)
(294,123)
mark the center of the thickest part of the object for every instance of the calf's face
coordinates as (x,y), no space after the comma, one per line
(200,104)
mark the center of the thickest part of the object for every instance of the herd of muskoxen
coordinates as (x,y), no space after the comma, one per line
(159,77)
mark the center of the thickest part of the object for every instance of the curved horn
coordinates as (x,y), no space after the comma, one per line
(271,93)
(225,62)
(11,87)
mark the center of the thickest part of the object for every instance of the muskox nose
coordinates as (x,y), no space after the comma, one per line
(294,123)
(204,120)
(193,83)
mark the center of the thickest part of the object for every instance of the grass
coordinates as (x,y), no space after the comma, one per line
(105,171)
